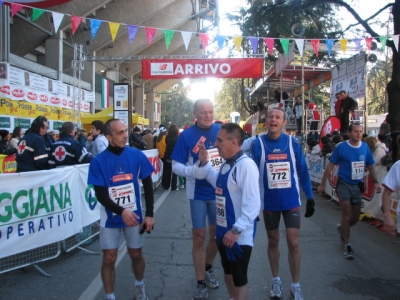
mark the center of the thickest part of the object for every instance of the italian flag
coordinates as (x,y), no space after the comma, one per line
(105,93)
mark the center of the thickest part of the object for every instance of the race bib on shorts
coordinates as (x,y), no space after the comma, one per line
(124,196)
(279,175)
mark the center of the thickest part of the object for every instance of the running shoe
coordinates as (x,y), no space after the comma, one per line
(211,282)
(296,293)
(276,290)
(201,292)
(339,230)
(348,252)
(182,186)
(140,292)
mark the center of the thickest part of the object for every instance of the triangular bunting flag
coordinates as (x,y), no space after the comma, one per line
(395,39)
(132,30)
(285,45)
(368,43)
(315,45)
(270,45)
(382,40)
(113,29)
(94,26)
(15,7)
(300,45)
(329,45)
(186,36)
(57,19)
(237,40)
(220,41)
(254,44)
(36,13)
(343,44)
(150,33)
(168,35)
(75,21)
(204,40)
(358,44)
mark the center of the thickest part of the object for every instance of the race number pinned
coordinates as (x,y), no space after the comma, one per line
(124,196)
(214,158)
(357,170)
(279,175)
(221,210)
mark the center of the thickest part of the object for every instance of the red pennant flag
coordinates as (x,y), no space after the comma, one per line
(315,45)
(15,7)
(368,43)
(270,45)
(150,33)
(204,40)
(75,21)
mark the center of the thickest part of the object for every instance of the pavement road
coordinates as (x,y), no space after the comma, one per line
(373,274)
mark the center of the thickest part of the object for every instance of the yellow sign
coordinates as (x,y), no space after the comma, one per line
(22,108)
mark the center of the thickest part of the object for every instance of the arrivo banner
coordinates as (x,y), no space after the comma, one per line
(198,68)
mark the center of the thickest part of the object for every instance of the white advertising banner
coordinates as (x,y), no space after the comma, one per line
(152,155)
(315,165)
(44,209)
(90,208)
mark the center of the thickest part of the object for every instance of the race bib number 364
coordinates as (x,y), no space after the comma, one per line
(214,158)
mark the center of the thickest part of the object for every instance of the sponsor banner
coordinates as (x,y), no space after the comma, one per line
(17,76)
(199,68)
(330,125)
(121,96)
(31,110)
(353,83)
(315,165)
(45,209)
(59,88)
(152,155)
(8,163)
(90,208)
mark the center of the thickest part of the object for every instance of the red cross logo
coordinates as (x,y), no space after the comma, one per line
(21,147)
(60,153)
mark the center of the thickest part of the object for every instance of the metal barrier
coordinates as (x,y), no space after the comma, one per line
(85,237)
(30,257)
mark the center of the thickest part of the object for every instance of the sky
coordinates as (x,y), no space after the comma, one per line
(209,87)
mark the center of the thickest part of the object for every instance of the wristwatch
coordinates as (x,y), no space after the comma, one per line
(236,230)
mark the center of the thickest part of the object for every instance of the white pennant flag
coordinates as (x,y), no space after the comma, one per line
(395,39)
(57,19)
(300,45)
(186,36)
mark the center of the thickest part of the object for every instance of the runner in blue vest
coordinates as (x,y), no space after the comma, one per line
(237,206)
(115,175)
(199,192)
(282,170)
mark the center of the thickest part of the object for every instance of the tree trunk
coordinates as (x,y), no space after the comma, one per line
(393,87)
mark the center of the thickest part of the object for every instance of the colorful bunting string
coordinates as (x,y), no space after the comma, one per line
(204,37)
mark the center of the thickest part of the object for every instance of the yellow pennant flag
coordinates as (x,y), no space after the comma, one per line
(238,41)
(113,29)
(343,44)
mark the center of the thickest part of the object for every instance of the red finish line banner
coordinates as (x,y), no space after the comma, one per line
(198,68)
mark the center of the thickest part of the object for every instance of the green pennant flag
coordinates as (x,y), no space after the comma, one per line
(168,35)
(382,40)
(36,13)
(285,45)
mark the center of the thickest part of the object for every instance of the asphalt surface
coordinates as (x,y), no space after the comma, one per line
(373,274)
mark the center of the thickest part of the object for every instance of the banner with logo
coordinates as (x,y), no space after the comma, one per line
(199,68)
(315,165)
(90,208)
(38,210)
(152,155)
